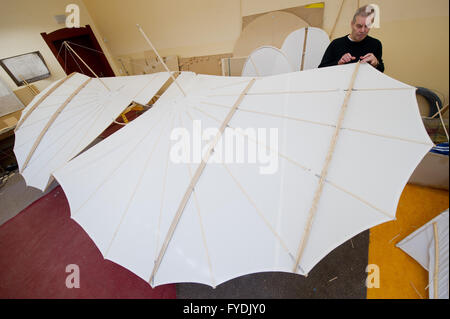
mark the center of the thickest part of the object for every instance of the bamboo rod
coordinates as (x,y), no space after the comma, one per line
(159,57)
(195,179)
(33,91)
(337,18)
(323,174)
(50,122)
(304,49)
(43,97)
(68,46)
(441,111)
(442,121)
(436,261)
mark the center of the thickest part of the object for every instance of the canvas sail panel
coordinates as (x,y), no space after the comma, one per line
(88,112)
(237,219)
(265,61)
(317,42)
(420,245)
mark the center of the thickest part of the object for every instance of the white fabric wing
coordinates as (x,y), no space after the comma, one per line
(248,211)
(88,113)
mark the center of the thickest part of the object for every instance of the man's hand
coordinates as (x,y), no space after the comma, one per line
(370,58)
(346,58)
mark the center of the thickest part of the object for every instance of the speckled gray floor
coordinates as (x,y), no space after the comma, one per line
(341,274)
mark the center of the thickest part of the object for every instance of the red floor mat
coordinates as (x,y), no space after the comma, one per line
(37,245)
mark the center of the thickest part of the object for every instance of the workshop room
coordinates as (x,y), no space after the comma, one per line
(211,149)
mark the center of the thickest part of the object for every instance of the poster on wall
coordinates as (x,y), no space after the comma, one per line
(9,102)
(29,67)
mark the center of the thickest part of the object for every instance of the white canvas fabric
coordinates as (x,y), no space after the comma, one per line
(317,41)
(420,245)
(265,61)
(84,118)
(249,214)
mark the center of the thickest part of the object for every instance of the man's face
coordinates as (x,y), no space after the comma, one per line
(360,28)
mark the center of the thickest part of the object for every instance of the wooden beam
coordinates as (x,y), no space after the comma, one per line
(324,172)
(304,49)
(50,122)
(43,97)
(195,179)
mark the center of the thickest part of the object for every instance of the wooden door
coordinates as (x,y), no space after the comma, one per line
(82,40)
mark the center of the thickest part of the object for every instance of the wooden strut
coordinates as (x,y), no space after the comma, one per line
(323,174)
(436,261)
(68,46)
(33,91)
(43,97)
(50,122)
(195,179)
(304,49)
(337,18)
(160,59)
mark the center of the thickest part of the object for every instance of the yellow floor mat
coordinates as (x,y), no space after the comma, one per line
(400,276)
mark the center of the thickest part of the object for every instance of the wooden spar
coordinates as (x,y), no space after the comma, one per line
(43,97)
(442,121)
(436,261)
(195,179)
(68,46)
(50,122)
(159,57)
(337,18)
(304,49)
(33,91)
(323,174)
(441,111)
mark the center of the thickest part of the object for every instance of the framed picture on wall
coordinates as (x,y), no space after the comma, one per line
(28,67)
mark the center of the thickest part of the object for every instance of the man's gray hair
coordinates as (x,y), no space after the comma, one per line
(364,11)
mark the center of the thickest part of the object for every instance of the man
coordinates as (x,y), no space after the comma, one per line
(357,46)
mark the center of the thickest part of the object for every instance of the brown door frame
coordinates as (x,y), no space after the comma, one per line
(67,33)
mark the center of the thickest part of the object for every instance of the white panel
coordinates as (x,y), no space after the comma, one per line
(339,217)
(384,113)
(362,162)
(316,44)
(266,61)
(246,221)
(293,47)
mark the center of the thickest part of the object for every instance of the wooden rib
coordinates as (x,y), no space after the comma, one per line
(441,111)
(160,59)
(133,194)
(442,121)
(258,211)
(254,65)
(323,174)
(195,179)
(310,91)
(86,65)
(279,92)
(304,49)
(50,122)
(300,165)
(42,98)
(102,183)
(33,91)
(318,123)
(337,18)
(202,229)
(436,261)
